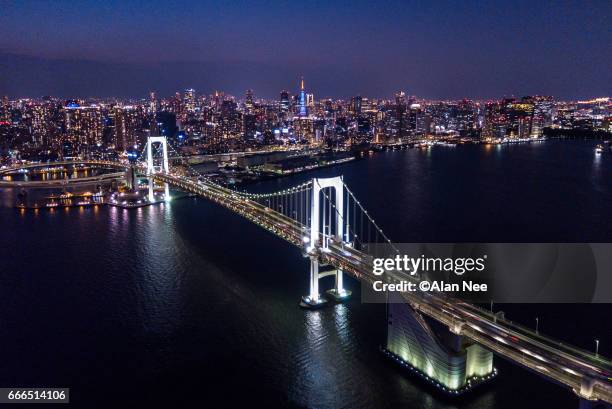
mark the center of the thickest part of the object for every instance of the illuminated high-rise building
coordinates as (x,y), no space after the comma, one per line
(416,119)
(400,125)
(230,121)
(495,123)
(356,104)
(39,120)
(466,116)
(189,100)
(217,100)
(248,104)
(153,105)
(84,126)
(126,121)
(5,111)
(520,115)
(284,101)
(310,100)
(249,126)
(542,113)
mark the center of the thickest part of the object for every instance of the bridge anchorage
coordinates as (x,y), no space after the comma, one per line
(324,221)
(438,354)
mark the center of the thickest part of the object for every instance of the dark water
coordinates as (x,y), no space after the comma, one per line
(187,305)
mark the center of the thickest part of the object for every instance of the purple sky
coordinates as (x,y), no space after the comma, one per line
(446,49)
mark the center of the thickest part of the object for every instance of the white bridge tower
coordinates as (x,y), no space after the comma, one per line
(151,169)
(320,240)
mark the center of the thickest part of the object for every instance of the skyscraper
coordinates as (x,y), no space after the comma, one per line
(5,112)
(189,100)
(248,104)
(153,104)
(356,104)
(310,100)
(542,113)
(124,128)
(83,126)
(466,116)
(520,115)
(284,101)
(400,115)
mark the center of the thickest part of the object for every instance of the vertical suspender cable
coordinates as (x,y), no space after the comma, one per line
(323,221)
(361,227)
(329,225)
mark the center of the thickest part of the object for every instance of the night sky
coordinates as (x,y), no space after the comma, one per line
(444,49)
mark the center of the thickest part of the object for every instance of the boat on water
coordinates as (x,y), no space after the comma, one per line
(599,149)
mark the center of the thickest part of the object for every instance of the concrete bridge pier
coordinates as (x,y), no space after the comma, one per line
(314,300)
(585,394)
(166,192)
(339,293)
(151,192)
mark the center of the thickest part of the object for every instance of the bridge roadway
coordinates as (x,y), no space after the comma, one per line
(590,377)
(61,182)
(587,375)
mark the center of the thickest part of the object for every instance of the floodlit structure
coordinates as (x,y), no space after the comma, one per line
(432,351)
(152,169)
(324,220)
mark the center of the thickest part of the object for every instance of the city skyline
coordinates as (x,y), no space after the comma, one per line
(477,51)
(293,91)
(197,123)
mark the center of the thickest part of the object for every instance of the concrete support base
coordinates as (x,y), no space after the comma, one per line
(468,386)
(167,197)
(151,190)
(311,304)
(339,296)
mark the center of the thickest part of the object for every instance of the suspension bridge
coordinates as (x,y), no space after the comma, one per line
(324,218)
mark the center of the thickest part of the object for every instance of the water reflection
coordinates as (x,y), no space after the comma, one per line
(317,360)
(159,295)
(341,315)
(597,160)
